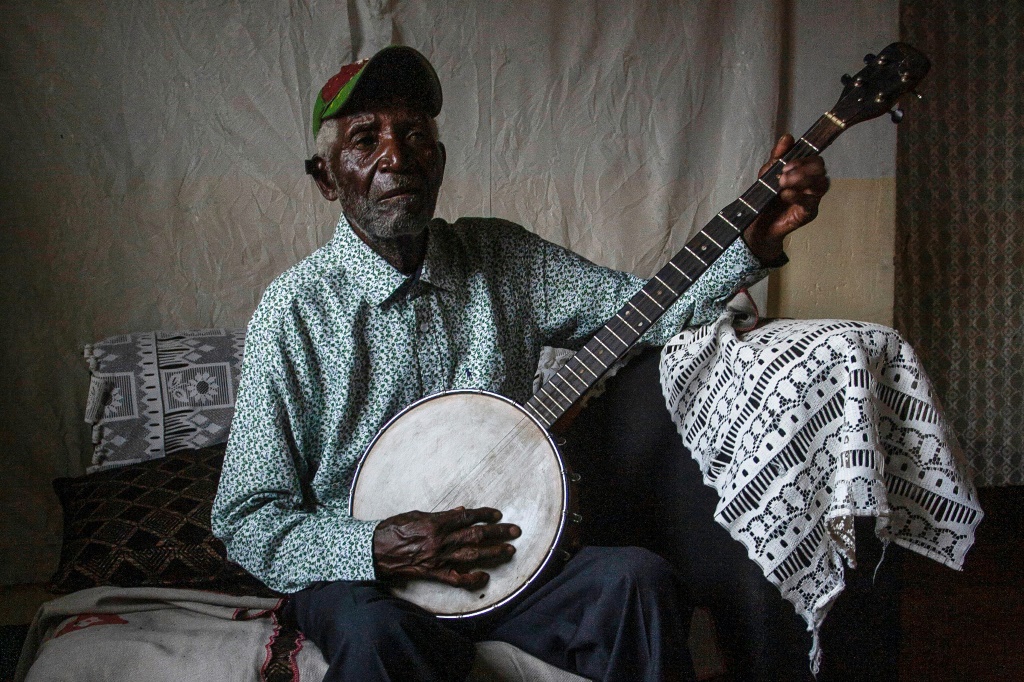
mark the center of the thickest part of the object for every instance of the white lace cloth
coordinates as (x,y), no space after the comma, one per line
(802,425)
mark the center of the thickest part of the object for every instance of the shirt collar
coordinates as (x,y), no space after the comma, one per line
(365,267)
(379,280)
(440,267)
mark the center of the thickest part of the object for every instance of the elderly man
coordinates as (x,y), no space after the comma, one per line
(400,305)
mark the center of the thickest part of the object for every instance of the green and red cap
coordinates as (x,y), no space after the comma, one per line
(394,71)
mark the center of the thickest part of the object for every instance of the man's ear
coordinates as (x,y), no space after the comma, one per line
(317,167)
(444,156)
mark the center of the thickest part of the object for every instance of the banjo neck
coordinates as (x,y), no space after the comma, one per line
(477,448)
(620,334)
(869,94)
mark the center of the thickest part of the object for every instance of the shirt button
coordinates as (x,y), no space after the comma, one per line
(424,327)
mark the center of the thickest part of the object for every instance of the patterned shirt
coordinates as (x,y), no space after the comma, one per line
(342,342)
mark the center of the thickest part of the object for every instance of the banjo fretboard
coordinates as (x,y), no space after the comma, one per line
(612,341)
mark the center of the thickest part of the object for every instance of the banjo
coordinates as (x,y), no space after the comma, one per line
(479,449)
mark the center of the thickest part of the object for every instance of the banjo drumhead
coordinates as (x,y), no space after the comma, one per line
(470,449)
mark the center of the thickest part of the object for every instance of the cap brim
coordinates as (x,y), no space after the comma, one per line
(396,72)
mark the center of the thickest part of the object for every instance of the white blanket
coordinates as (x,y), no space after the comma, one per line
(802,425)
(110,634)
(156,634)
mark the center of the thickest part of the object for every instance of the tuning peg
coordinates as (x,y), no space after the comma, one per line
(845,79)
(896,115)
(918,95)
(868,58)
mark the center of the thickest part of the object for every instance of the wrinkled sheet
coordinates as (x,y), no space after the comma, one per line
(153,164)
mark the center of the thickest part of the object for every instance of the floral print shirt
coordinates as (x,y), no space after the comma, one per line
(342,342)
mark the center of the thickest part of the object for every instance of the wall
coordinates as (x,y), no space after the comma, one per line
(841,265)
(152,177)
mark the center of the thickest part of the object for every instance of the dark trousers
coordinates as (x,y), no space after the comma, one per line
(641,487)
(613,613)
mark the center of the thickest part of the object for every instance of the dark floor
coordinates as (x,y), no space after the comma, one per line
(11,639)
(969,625)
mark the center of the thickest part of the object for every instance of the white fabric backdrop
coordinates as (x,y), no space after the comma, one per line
(153,150)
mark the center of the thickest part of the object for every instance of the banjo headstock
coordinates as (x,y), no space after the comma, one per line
(876,88)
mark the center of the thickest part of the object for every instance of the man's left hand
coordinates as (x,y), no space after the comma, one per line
(802,184)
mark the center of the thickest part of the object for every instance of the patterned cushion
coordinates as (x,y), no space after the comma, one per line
(153,393)
(147,524)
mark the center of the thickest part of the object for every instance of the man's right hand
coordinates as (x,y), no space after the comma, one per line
(448,546)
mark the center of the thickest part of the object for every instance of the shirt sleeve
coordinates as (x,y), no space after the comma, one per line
(267,517)
(576,297)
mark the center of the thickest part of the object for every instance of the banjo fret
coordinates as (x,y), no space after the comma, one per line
(555,386)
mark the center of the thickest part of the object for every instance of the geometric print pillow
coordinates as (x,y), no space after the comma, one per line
(153,393)
(147,525)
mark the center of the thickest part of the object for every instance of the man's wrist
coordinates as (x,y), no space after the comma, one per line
(763,257)
(770,252)
(771,263)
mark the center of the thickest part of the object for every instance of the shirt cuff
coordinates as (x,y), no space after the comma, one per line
(362,547)
(755,263)
(776,262)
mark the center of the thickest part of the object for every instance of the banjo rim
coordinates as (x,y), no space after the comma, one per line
(563,518)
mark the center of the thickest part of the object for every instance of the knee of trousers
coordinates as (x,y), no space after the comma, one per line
(373,626)
(378,623)
(640,568)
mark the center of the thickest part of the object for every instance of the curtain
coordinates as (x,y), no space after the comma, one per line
(960,224)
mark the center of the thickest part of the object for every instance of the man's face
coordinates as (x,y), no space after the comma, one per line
(386,169)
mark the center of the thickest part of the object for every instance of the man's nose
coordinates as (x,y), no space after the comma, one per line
(394,154)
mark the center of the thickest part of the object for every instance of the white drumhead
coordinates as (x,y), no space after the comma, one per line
(470,449)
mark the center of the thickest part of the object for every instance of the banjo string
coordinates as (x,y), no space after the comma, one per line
(445,501)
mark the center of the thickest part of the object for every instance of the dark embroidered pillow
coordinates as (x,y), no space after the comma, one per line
(147,524)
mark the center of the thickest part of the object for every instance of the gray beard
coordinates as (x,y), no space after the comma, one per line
(376,222)
(378,225)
